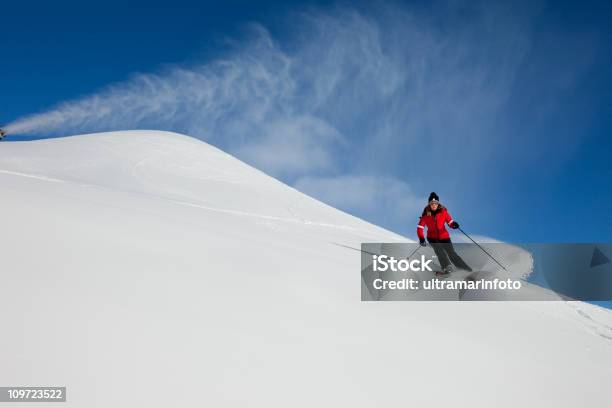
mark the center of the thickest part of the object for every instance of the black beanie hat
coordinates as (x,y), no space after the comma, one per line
(433,196)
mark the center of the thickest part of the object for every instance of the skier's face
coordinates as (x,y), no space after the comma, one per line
(433,205)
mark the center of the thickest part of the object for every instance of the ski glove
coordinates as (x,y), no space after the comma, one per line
(422,242)
(454,225)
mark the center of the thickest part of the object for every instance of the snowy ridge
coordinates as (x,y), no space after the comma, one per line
(168,166)
(151,269)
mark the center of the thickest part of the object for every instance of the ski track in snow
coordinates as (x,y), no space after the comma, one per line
(187,203)
(601,329)
(33,176)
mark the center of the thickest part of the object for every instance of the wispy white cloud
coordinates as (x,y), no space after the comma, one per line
(296,146)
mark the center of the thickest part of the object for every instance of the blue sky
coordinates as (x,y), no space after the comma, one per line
(504,108)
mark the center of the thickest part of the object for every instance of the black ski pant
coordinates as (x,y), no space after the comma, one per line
(444,250)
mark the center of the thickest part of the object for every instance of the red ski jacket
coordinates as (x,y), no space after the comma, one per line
(434,221)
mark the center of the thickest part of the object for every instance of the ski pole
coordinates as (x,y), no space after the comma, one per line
(483,250)
(414,252)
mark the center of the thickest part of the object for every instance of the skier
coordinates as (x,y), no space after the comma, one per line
(2,133)
(434,216)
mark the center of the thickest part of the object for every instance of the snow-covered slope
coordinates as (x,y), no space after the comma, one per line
(151,269)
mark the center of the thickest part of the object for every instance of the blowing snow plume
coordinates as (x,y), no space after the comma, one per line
(335,75)
(345,95)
